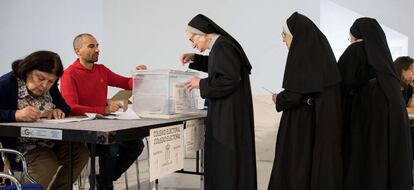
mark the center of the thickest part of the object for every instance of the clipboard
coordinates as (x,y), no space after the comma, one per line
(122,96)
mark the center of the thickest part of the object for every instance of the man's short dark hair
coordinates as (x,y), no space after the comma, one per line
(78,41)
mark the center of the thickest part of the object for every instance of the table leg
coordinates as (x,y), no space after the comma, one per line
(93,174)
(70,166)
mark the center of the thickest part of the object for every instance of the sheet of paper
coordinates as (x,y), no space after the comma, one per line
(129,114)
(194,135)
(66,120)
(122,95)
(166,151)
(181,97)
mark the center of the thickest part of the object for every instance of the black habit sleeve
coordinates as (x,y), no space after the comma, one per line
(200,63)
(224,77)
(354,67)
(286,100)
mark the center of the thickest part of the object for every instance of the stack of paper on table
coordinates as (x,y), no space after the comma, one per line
(129,114)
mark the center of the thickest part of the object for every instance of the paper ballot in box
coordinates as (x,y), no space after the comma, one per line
(161,94)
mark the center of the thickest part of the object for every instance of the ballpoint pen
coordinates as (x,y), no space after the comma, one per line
(30,104)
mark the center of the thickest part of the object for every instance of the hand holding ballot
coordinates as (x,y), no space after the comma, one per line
(274,94)
(274,97)
(186,58)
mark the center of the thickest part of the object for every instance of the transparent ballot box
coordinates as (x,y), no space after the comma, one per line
(161,94)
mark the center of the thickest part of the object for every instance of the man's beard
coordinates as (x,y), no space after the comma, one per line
(92,59)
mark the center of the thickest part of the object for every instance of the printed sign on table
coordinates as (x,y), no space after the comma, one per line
(166,148)
(54,134)
(194,135)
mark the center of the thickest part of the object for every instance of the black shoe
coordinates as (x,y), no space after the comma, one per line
(102,184)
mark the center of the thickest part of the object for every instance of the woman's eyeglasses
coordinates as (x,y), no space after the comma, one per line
(191,38)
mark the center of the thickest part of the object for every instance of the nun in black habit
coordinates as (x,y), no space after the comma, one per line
(308,148)
(230,161)
(376,134)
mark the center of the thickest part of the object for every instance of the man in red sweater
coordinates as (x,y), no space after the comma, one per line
(84,85)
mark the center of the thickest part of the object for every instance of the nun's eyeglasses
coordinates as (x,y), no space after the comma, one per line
(283,35)
(191,38)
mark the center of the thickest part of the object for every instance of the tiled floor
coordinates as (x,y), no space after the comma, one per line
(176,181)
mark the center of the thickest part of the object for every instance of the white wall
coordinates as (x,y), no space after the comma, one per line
(132,32)
(153,33)
(28,26)
(335,21)
(394,14)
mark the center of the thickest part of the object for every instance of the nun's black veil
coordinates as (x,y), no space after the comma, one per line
(207,26)
(311,64)
(309,144)
(230,161)
(379,57)
(376,46)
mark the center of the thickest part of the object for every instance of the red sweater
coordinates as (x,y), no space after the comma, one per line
(86,90)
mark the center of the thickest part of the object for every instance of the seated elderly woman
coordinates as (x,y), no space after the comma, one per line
(29,93)
(404,67)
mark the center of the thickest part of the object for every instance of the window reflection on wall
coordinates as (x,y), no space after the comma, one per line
(336,20)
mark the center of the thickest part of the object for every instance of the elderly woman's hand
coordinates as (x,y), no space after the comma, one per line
(54,114)
(27,114)
(192,83)
(186,58)
(274,96)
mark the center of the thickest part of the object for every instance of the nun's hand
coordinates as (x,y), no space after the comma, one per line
(192,83)
(185,58)
(141,67)
(274,97)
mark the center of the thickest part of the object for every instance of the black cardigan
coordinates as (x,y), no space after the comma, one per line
(8,104)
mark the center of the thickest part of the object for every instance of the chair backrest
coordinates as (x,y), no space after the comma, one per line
(7,173)
(4,152)
(29,186)
(16,184)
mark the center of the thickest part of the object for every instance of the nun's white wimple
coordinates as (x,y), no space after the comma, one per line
(194,30)
(286,29)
